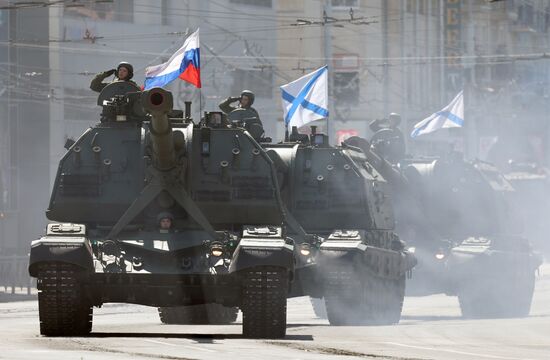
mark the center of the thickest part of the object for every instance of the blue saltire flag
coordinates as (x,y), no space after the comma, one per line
(450,116)
(306,99)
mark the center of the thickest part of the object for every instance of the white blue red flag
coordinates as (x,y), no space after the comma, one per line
(184,64)
(306,99)
(450,116)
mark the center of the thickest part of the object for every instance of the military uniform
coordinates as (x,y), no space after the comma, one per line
(388,139)
(97,83)
(228,109)
(248,116)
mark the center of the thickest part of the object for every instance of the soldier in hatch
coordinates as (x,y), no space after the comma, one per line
(244,113)
(123,72)
(388,140)
(165,220)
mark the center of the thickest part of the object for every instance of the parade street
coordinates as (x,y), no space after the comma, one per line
(430,328)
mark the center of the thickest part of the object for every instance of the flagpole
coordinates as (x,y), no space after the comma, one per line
(200,103)
(327,11)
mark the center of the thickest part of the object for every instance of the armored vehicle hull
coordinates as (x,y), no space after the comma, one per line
(340,216)
(225,246)
(532,185)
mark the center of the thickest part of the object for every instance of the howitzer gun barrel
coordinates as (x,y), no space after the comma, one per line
(159,102)
(382,165)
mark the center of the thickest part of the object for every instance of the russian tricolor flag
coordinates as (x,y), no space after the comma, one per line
(184,64)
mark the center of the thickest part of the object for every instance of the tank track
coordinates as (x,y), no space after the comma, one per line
(502,295)
(63,310)
(354,298)
(264,297)
(198,314)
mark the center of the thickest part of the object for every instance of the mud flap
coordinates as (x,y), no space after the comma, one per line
(262,252)
(349,248)
(262,246)
(64,243)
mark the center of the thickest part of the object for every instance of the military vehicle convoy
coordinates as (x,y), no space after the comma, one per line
(456,218)
(252,224)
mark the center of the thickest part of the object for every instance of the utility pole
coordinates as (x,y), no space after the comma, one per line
(470,127)
(328,58)
(57,114)
(404,114)
(385,53)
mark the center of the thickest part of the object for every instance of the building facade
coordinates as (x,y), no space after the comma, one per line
(409,57)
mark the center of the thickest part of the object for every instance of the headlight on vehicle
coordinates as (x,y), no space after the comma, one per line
(305,249)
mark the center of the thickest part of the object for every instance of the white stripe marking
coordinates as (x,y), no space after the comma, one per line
(160,342)
(187,346)
(456,351)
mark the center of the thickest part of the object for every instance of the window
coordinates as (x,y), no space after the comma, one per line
(121,10)
(95,11)
(344,3)
(124,10)
(422,7)
(526,16)
(262,3)
(435,8)
(346,87)
(411,6)
(164,12)
(257,81)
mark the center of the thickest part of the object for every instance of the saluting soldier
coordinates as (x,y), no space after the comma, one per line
(123,72)
(244,113)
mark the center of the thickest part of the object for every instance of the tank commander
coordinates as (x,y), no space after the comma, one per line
(244,113)
(123,72)
(388,139)
(165,220)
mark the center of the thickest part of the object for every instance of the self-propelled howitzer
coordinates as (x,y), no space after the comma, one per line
(360,265)
(225,247)
(456,217)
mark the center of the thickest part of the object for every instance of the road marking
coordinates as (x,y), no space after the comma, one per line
(199,348)
(160,342)
(456,351)
(185,345)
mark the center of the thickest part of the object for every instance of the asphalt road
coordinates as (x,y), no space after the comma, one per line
(431,328)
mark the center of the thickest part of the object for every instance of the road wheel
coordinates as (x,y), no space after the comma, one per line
(395,294)
(498,297)
(341,297)
(63,310)
(354,298)
(198,314)
(264,296)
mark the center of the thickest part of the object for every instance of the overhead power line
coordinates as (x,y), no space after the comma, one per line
(20,5)
(328,20)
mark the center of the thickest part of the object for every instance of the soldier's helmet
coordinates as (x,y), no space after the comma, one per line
(248,94)
(394,119)
(165,215)
(128,67)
